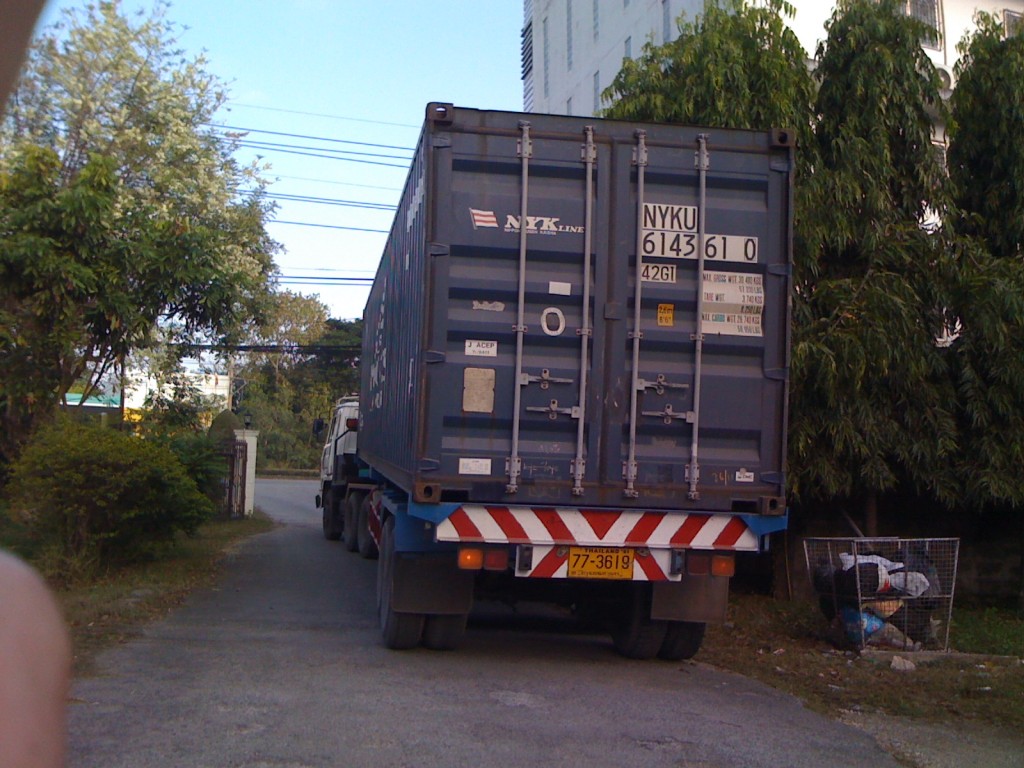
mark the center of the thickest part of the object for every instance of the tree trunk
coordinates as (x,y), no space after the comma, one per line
(871,514)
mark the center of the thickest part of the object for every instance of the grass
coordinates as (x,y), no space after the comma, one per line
(786,645)
(113,609)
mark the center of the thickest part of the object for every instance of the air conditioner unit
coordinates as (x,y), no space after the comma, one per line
(946,77)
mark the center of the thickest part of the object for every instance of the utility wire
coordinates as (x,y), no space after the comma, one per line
(328,226)
(320,114)
(312,138)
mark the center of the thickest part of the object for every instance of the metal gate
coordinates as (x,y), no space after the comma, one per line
(235,453)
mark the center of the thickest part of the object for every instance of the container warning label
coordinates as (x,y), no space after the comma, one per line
(733,303)
(474,466)
(666,315)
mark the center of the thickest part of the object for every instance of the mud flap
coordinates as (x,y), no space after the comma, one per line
(695,598)
(429,584)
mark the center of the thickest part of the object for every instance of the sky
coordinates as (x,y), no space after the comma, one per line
(337,78)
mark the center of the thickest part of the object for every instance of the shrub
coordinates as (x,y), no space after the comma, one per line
(204,462)
(93,497)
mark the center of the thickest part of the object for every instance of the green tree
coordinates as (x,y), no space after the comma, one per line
(120,208)
(986,169)
(986,137)
(872,409)
(735,66)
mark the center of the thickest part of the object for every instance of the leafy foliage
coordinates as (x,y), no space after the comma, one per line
(120,208)
(986,151)
(94,497)
(734,66)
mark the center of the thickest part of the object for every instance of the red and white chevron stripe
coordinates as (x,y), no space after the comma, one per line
(596,528)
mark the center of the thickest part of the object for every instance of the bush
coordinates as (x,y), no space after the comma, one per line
(92,497)
(204,462)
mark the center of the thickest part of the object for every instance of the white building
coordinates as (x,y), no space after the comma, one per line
(572,49)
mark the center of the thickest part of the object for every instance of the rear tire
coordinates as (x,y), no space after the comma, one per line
(350,530)
(400,631)
(682,640)
(365,543)
(331,515)
(444,632)
(635,635)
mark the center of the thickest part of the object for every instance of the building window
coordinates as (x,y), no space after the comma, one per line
(568,34)
(1013,23)
(666,21)
(930,13)
(597,92)
(627,49)
(596,19)
(547,68)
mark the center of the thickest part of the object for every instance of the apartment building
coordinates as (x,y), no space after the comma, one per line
(572,49)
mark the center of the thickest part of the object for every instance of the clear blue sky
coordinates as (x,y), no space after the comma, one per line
(350,71)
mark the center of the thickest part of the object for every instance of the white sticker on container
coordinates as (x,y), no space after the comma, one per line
(560,289)
(481,348)
(478,390)
(744,476)
(489,306)
(474,466)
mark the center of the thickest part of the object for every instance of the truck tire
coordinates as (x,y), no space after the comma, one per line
(350,530)
(400,631)
(366,545)
(444,632)
(331,516)
(635,635)
(682,640)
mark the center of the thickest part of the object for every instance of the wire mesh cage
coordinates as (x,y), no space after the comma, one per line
(888,592)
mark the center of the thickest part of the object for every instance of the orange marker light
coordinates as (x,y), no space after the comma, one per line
(723,565)
(496,559)
(471,559)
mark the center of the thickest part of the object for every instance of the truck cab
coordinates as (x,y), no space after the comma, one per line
(337,464)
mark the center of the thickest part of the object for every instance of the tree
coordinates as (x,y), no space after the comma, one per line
(120,209)
(734,66)
(872,409)
(986,149)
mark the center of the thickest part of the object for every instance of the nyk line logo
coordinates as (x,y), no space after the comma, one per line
(535,225)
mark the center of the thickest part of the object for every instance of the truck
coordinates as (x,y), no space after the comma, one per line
(574,376)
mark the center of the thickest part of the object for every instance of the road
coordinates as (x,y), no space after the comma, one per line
(280,666)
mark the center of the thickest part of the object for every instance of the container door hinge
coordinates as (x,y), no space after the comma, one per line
(439,249)
(433,356)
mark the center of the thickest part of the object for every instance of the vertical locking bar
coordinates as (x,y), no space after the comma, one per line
(702,162)
(579,465)
(514,468)
(640,161)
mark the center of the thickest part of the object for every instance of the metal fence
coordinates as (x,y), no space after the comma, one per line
(235,453)
(886,592)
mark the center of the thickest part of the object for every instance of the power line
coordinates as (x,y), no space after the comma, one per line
(321,114)
(330,157)
(273,145)
(329,201)
(339,183)
(328,226)
(312,138)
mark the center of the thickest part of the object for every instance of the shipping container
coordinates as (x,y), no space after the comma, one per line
(517,349)
(575,369)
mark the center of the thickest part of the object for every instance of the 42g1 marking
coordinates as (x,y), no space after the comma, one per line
(658,273)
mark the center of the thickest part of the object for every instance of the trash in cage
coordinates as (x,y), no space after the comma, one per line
(886,592)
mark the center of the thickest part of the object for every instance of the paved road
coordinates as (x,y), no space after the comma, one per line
(280,666)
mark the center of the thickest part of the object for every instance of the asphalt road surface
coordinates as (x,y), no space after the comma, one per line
(281,666)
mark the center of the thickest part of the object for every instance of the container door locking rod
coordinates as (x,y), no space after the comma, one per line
(579,464)
(702,162)
(514,464)
(640,161)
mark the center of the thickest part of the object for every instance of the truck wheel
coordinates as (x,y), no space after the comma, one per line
(331,530)
(400,631)
(682,640)
(635,635)
(366,544)
(349,530)
(444,632)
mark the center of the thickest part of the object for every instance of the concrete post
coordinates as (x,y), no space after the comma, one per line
(249,435)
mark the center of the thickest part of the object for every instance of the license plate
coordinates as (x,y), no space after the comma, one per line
(600,563)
